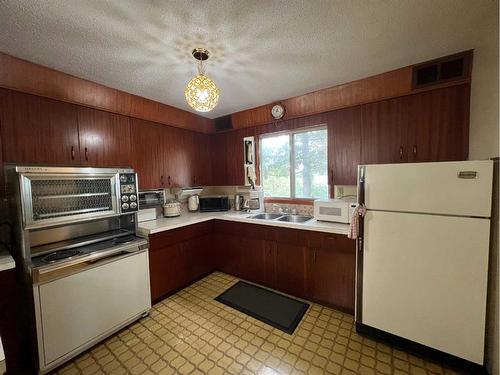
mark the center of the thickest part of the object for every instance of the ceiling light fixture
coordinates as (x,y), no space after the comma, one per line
(201,92)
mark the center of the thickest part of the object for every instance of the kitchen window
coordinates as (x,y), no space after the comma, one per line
(294,164)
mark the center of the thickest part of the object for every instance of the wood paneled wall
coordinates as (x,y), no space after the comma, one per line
(24,76)
(426,126)
(392,84)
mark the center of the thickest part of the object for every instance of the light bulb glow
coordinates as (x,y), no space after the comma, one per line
(201,93)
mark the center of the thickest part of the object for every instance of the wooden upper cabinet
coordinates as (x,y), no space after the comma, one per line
(438,125)
(147,158)
(424,127)
(219,158)
(202,159)
(38,130)
(344,145)
(167,157)
(227,155)
(383,132)
(104,138)
(177,147)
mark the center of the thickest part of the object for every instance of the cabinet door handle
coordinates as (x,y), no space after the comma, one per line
(72,152)
(415,150)
(169,181)
(194,180)
(86,154)
(161,180)
(314,256)
(401,152)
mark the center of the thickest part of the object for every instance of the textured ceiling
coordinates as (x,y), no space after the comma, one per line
(262,50)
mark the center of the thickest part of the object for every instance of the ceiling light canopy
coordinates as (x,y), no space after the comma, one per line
(201,92)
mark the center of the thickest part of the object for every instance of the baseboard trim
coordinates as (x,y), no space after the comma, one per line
(452,361)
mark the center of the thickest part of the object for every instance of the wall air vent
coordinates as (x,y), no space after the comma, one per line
(444,69)
(223,123)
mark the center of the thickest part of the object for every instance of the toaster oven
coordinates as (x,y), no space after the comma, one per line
(62,195)
(335,210)
(151,198)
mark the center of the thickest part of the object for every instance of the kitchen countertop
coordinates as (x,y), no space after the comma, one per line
(6,261)
(188,218)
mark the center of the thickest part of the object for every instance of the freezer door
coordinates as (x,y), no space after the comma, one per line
(451,188)
(425,278)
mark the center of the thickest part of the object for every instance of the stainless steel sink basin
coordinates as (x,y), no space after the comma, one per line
(295,218)
(265,216)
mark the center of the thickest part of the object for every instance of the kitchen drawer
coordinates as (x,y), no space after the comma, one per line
(178,235)
(330,241)
(248,230)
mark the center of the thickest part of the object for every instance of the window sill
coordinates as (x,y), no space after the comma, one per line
(302,201)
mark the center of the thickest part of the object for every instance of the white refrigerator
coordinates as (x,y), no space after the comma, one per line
(423,253)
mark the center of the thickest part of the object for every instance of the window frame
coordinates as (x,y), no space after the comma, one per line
(291,155)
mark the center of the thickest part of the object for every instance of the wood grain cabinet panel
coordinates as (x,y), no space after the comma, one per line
(148,157)
(104,138)
(166,270)
(384,132)
(167,157)
(177,147)
(424,127)
(439,124)
(202,160)
(344,145)
(38,130)
(290,266)
(219,157)
(331,275)
(227,157)
(313,265)
(178,257)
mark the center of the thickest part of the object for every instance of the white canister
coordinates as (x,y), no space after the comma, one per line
(172,209)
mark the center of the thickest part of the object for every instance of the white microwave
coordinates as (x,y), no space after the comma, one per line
(336,210)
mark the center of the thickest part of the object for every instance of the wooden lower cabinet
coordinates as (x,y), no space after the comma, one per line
(332,272)
(178,257)
(311,265)
(291,269)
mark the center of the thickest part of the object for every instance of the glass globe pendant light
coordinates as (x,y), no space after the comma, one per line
(201,92)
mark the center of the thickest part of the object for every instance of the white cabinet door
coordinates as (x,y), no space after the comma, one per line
(79,308)
(430,188)
(425,278)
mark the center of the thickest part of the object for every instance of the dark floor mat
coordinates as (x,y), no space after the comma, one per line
(272,308)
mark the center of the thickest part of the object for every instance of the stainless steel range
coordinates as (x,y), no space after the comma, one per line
(76,241)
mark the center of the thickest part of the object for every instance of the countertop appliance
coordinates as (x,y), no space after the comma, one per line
(335,210)
(193,203)
(151,198)
(172,208)
(239,199)
(214,203)
(150,204)
(252,198)
(422,255)
(84,266)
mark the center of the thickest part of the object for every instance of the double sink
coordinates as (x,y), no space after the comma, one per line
(281,217)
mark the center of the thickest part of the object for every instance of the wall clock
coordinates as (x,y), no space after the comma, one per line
(278,111)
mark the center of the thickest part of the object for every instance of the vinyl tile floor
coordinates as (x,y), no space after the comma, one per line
(190,333)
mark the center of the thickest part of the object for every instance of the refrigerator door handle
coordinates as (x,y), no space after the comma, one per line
(360,249)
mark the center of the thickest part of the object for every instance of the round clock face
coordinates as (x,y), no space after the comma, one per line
(278,111)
